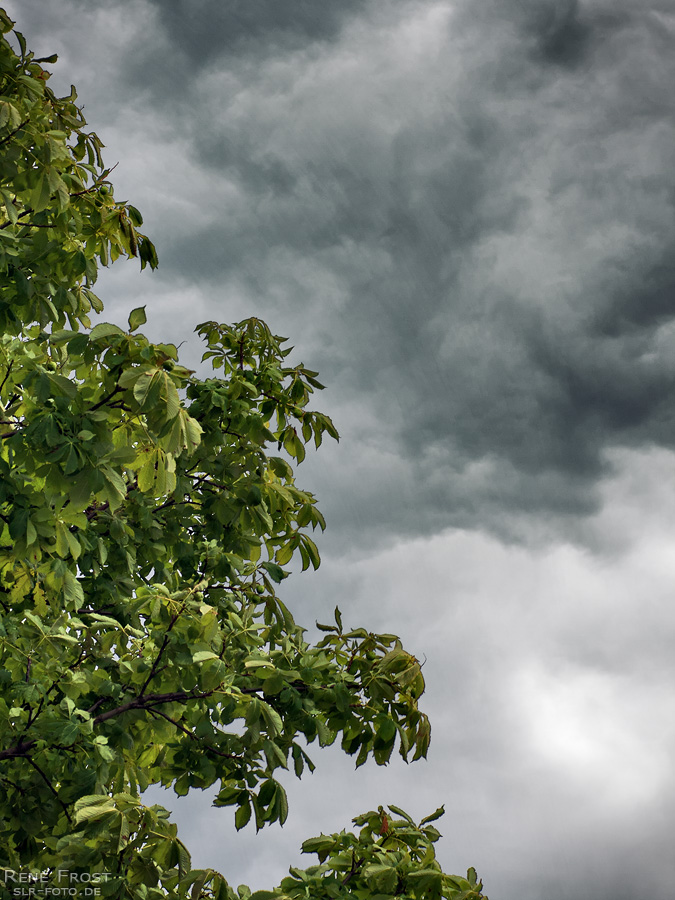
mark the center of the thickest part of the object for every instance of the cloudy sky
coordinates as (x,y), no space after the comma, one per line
(462,213)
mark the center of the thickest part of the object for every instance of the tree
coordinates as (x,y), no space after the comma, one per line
(144,528)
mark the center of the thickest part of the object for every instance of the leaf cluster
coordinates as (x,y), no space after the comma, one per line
(391,856)
(58,215)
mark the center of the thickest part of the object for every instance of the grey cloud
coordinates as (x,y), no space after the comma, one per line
(463,215)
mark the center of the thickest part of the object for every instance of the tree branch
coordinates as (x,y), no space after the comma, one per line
(36,225)
(21,215)
(20,749)
(96,704)
(149,701)
(158,712)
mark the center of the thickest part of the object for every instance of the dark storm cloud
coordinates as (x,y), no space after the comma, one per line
(209,28)
(191,36)
(466,210)
(494,209)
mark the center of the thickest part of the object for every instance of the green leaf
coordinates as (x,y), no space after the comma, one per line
(318,844)
(281,804)
(381,877)
(242,816)
(202,655)
(434,815)
(284,554)
(40,196)
(258,663)
(137,317)
(72,590)
(104,330)
(199,882)
(137,221)
(147,388)
(116,488)
(12,211)
(184,860)
(31,533)
(6,24)
(88,809)
(275,572)
(78,344)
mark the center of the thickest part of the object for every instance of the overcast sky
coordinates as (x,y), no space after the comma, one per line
(462,213)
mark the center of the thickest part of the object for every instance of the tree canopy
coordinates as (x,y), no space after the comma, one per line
(147,515)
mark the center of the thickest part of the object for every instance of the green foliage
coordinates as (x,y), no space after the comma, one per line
(144,525)
(389,857)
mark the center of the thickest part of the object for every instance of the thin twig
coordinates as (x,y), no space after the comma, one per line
(49,785)
(192,735)
(92,511)
(100,180)
(158,712)
(114,391)
(14,784)
(153,670)
(354,869)
(96,704)
(7,374)
(9,136)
